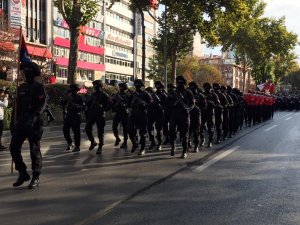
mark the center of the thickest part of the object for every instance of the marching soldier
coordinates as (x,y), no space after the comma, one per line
(232,111)
(73,106)
(30,105)
(97,105)
(138,117)
(220,106)
(227,105)
(156,115)
(209,118)
(182,103)
(195,114)
(121,108)
(167,112)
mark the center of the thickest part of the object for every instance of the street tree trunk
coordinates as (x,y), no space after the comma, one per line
(244,75)
(174,65)
(143,45)
(73,55)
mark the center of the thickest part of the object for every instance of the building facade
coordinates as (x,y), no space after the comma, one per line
(110,46)
(231,72)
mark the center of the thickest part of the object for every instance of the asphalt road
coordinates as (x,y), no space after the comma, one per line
(250,179)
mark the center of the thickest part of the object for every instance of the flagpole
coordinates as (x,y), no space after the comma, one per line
(18,79)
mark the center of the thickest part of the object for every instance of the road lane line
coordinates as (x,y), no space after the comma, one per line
(216,159)
(289,118)
(286,115)
(270,128)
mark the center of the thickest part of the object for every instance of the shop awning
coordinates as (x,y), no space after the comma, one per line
(81,64)
(7,46)
(39,52)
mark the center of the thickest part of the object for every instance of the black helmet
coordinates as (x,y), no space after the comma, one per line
(98,83)
(138,82)
(74,87)
(229,88)
(193,84)
(216,86)
(159,83)
(36,71)
(123,85)
(181,79)
(149,90)
(171,86)
(207,85)
(223,88)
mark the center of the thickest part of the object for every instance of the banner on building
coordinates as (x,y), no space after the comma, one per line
(139,23)
(15,13)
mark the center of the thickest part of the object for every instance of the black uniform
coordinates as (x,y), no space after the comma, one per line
(221,102)
(30,105)
(139,102)
(121,108)
(156,117)
(73,105)
(97,105)
(195,115)
(232,112)
(182,103)
(227,104)
(209,117)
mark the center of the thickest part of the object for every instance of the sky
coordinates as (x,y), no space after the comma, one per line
(276,9)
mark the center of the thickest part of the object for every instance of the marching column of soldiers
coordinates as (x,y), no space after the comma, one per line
(186,112)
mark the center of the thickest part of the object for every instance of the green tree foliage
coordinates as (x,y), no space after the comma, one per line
(190,68)
(76,13)
(186,17)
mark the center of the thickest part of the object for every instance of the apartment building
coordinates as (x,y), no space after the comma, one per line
(110,46)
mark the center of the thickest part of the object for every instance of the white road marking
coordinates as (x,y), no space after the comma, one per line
(216,159)
(270,128)
(289,118)
(286,115)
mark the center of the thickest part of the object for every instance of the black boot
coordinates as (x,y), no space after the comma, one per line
(92,146)
(118,140)
(76,149)
(184,154)
(99,150)
(124,145)
(70,147)
(152,145)
(134,147)
(173,150)
(158,147)
(23,176)
(34,183)
(142,152)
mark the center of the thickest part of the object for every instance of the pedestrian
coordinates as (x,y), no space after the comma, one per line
(3,105)
(98,104)
(73,105)
(3,73)
(121,109)
(30,104)
(139,102)
(182,103)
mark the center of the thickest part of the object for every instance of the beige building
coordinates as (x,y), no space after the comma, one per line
(231,72)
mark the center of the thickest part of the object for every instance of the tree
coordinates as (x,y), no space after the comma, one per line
(190,68)
(187,17)
(76,13)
